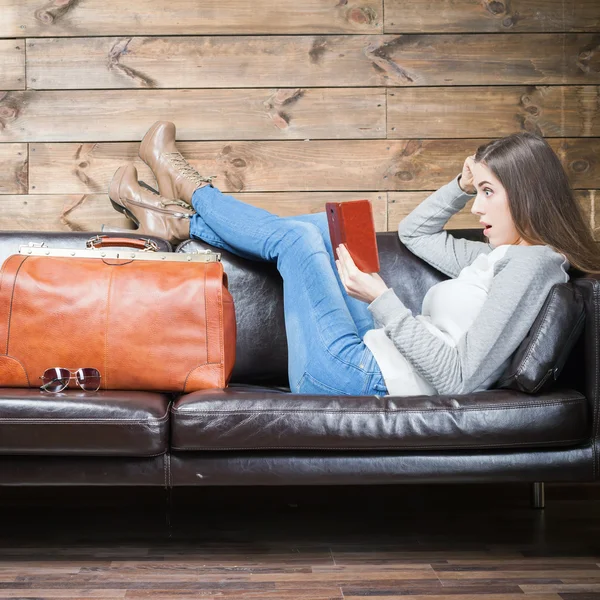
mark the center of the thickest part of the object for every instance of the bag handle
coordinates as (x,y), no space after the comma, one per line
(105,241)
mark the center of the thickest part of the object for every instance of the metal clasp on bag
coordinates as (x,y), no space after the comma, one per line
(40,249)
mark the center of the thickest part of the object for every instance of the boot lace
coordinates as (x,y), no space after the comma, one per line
(182,165)
(165,203)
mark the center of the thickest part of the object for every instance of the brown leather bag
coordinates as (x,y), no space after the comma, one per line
(146,320)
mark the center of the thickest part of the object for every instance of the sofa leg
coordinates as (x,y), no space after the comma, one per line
(537,495)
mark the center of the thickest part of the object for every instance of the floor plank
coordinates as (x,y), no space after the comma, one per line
(339,544)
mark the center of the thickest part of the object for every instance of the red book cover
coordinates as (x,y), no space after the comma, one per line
(351,223)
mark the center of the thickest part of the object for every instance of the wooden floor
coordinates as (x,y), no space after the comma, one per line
(460,542)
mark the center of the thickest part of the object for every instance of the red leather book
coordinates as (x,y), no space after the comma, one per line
(351,224)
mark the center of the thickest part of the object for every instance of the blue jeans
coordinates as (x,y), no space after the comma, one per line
(324,326)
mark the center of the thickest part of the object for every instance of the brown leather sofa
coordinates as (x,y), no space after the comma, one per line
(257,433)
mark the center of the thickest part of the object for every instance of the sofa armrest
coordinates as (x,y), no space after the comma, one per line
(587,359)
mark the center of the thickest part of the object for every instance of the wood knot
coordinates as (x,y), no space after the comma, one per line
(239,162)
(44,16)
(235,181)
(533,110)
(579,166)
(495,7)
(11,104)
(82,177)
(319,48)
(54,10)
(286,96)
(363,15)
(8,112)
(281,120)
(404,175)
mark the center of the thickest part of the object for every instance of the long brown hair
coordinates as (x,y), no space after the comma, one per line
(540,198)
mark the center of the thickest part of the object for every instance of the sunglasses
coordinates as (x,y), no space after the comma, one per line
(57,379)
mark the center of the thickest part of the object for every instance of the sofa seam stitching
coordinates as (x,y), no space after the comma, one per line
(98,421)
(419,447)
(535,333)
(180,413)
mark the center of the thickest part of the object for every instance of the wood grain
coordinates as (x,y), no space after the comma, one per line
(34,18)
(13,169)
(115,115)
(356,60)
(446,16)
(89,212)
(59,213)
(390,544)
(327,165)
(482,59)
(207,62)
(400,204)
(12,65)
(477,111)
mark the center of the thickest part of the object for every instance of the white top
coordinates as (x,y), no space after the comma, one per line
(449,309)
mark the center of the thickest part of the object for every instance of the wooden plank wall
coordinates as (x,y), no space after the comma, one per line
(289,104)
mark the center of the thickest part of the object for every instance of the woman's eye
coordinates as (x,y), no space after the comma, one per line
(487,190)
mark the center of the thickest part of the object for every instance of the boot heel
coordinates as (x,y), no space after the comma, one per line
(113,192)
(145,140)
(125,212)
(113,188)
(117,207)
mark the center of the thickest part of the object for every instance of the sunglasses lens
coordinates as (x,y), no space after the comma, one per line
(55,380)
(89,379)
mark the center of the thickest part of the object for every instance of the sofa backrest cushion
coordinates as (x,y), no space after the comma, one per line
(539,360)
(261,349)
(541,356)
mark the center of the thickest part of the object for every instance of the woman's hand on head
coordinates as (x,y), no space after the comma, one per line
(465,181)
(362,286)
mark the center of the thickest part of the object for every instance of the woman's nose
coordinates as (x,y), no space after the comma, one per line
(475,208)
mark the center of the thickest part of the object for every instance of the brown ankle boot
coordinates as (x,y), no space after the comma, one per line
(149,210)
(176,178)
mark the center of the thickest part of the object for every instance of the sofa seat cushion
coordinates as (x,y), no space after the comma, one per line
(105,423)
(247,419)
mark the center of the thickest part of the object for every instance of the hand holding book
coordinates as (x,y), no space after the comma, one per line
(351,223)
(358,284)
(354,242)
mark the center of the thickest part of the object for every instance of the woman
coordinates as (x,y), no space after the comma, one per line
(347,332)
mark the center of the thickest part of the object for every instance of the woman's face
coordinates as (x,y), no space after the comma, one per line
(491,206)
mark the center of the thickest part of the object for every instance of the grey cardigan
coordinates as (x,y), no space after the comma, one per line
(522,281)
